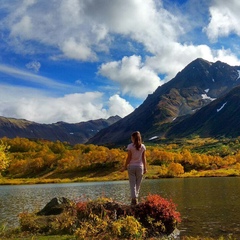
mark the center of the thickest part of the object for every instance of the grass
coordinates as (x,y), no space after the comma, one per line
(70,237)
(153,173)
(39,237)
(210,238)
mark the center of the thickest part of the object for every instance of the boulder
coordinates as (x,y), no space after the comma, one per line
(56,206)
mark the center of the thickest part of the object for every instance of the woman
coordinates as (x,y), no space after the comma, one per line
(135,164)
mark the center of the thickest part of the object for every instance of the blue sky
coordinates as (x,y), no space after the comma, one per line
(79,60)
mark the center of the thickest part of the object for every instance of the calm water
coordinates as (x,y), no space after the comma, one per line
(208,206)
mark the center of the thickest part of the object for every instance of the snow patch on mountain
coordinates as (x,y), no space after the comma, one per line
(219,109)
(152,138)
(238,74)
(205,96)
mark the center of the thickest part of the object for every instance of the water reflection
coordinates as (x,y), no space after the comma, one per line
(208,206)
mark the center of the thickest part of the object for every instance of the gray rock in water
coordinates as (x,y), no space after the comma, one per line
(55,206)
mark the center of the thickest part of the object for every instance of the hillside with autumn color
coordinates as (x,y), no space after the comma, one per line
(46,161)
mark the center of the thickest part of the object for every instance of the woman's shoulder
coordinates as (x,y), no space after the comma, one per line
(130,145)
(143,146)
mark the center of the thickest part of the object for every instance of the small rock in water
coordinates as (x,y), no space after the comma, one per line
(55,206)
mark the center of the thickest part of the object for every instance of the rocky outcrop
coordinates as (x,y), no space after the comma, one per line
(154,216)
(56,206)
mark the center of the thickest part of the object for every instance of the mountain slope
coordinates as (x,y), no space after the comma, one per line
(194,87)
(69,132)
(219,118)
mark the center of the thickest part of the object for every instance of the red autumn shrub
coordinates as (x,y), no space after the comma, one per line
(158,215)
(81,206)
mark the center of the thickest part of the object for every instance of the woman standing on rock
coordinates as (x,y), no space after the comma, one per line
(135,164)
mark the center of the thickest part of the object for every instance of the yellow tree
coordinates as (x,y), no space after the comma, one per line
(18,167)
(4,160)
(175,169)
(187,157)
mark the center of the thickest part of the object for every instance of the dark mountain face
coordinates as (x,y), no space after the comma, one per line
(72,133)
(194,87)
(219,118)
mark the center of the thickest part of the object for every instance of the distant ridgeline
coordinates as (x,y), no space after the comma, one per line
(61,131)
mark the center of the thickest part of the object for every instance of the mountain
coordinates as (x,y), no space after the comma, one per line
(70,132)
(219,118)
(197,85)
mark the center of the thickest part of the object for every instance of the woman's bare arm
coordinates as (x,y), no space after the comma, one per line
(144,162)
(129,155)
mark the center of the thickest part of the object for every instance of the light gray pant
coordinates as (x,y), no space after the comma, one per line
(135,175)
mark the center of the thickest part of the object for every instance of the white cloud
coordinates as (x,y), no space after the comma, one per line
(176,56)
(63,25)
(42,109)
(87,25)
(33,105)
(23,28)
(81,30)
(226,55)
(119,106)
(78,51)
(89,30)
(134,78)
(144,21)
(224,19)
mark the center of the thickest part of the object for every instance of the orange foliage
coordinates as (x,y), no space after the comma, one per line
(31,157)
(175,169)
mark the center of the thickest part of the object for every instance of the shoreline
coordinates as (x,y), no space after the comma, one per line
(33,181)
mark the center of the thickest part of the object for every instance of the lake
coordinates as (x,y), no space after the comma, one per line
(208,206)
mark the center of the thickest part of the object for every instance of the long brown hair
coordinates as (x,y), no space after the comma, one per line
(137,139)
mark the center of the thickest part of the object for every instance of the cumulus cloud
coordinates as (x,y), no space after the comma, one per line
(134,78)
(119,106)
(86,26)
(81,30)
(78,51)
(144,21)
(226,55)
(63,25)
(33,105)
(176,56)
(224,19)
(89,30)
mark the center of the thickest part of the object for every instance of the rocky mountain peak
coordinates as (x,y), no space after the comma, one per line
(193,88)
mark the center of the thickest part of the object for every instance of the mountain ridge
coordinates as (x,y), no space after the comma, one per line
(208,120)
(197,85)
(66,132)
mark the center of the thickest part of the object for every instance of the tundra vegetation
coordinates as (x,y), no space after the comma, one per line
(103,219)
(39,161)
(153,218)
